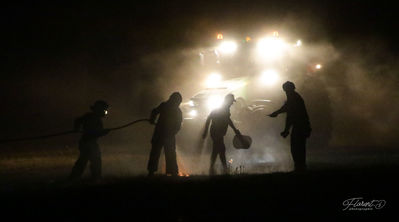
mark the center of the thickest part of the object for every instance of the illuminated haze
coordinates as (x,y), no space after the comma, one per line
(134,63)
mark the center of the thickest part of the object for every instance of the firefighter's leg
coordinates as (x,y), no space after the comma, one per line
(170,157)
(95,161)
(81,163)
(218,149)
(222,155)
(213,160)
(302,154)
(298,150)
(154,156)
(213,155)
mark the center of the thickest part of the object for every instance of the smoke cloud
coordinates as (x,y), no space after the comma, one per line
(352,101)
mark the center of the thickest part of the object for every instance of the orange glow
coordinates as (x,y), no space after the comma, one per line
(183,172)
(183,175)
(220,36)
(247,39)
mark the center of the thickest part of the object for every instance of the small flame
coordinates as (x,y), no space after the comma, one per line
(231,161)
(183,174)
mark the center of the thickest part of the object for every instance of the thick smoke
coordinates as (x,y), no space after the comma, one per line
(363,89)
(351,103)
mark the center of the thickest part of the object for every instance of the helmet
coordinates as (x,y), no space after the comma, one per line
(288,86)
(100,104)
(229,98)
(176,97)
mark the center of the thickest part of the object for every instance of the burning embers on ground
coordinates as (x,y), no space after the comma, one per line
(235,170)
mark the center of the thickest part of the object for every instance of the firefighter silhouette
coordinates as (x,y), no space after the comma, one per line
(167,126)
(92,127)
(297,118)
(220,120)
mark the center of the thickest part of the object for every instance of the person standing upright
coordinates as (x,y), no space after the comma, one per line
(166,128)
(298,119)
(220,119)
(92,127)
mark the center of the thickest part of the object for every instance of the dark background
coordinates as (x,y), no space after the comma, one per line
(58,57)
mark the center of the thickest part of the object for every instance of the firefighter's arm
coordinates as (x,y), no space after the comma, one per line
(154,114)
(207,123)
(283,109)
(288,124)
(179,122)
(78,124)
(103,132)
(98,132)
(231,124)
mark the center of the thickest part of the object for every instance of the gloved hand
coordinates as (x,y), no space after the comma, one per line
(237,132)
(274,114)
(285,133)
(308,132)
(106,131)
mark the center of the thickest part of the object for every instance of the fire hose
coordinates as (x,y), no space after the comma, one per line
(66,133)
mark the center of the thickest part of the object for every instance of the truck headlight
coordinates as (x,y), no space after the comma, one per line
(227,47)
(193,113)
(214,102)
(213,80)
(271,48)
(298,43)
(269,77)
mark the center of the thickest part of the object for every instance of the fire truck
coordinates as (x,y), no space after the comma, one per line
(251,68)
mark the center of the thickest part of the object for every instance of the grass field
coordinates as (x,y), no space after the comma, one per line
(34,187)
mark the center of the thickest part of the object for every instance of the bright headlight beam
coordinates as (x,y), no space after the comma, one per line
(193,113)
(269,77)
(298,43)
(227,47)
(191,103)
(213,80)
(318,66)
(214,102)
(271,48)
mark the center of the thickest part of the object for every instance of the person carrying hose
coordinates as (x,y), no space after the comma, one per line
(92,128)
